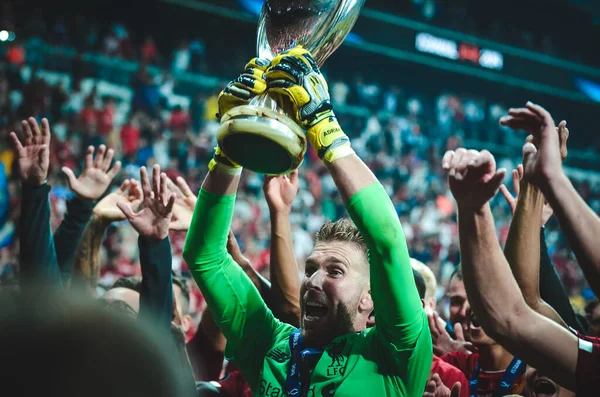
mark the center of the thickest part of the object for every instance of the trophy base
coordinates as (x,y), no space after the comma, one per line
(262,140)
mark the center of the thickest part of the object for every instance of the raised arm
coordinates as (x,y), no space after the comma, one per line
(152,224)
(401,320)
(578,222)
(522,248)
(232,298)
(87,257)
(280,192)
(91,184)
(492,290)
(207,347)
(183,211)
(37,256)
(553,291)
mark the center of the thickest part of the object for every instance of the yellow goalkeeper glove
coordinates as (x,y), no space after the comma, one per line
(241,90)
(295,75)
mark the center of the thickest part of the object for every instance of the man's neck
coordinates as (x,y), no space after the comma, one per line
(493,357)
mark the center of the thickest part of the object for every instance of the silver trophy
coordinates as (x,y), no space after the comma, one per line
(261,136)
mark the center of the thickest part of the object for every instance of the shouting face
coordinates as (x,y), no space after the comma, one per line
(334,296)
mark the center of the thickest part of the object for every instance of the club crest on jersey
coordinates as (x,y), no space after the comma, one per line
(338,360)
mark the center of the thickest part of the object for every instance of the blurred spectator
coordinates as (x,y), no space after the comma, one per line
(197,110)
(339,93)
(146,93)
(106,116)
(126,50)
(197,52)
(148,51)
(111,44)
(89,113)
(180,120)
(15,54)
(181,59)
(130,136)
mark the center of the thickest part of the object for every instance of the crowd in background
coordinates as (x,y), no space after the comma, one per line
(402,143)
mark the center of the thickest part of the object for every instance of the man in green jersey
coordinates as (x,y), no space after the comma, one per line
(356,267)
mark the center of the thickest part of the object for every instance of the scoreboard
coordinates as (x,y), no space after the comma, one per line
(449,50)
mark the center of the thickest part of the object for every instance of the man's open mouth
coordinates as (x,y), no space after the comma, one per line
(314,311)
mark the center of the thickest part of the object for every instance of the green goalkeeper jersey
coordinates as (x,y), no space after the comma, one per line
(391,359)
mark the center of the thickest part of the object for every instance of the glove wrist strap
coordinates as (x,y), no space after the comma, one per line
(220,162)
(335,153)
(329,140)
(216,166)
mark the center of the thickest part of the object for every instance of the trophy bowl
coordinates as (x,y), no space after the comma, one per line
(263,136)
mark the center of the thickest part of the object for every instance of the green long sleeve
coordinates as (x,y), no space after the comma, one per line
(232,298)
(401,323)
(399,309)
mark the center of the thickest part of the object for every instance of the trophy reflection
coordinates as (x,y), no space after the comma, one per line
(261,136)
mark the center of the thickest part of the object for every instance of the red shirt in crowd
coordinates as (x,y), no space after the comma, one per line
(588,364)
(488,381)
(105,120)
(89,115)
(449,375)
(234,385)
(130,136)
(179,121)
(15,55)
(148,51)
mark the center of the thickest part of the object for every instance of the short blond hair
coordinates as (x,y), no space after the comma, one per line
(343,230)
